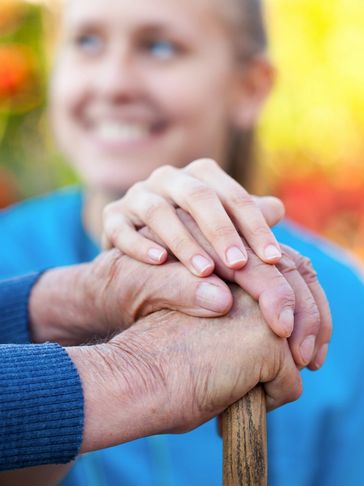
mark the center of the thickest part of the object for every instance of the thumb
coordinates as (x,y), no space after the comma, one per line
(175,288)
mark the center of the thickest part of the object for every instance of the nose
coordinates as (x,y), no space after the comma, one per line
(118,78)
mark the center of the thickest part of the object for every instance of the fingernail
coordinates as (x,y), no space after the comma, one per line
(156,254)
(321,356)
(286,320)
(272,252)
(200,263)
(307,348)
(234,255)
(211,297)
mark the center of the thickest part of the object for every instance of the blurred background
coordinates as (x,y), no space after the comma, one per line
(311,139)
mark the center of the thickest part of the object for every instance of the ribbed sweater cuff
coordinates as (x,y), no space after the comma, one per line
(41,406)
(14,294)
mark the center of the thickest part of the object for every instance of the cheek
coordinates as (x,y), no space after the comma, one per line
(65,98)
(198,105)
(58,104)
(67,91)
(195,92)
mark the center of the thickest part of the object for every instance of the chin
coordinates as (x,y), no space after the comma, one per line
(114,181)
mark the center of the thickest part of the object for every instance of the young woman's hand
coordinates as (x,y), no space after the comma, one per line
(222,208)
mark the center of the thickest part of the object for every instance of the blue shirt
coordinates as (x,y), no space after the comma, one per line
(317,440)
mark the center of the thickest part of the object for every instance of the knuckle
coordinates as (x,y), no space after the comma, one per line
(296,389)
(113,210)
(197,192)
(305,267)
(162,173)
(203,164)
(179,244)
(242,200)
(261,268)
(282,290)
(277,292)
(113,223)
(223,231)
(135,190)
(286,264)
(270,273)
(311,315)
(153,208)
(261,232)
(113,234)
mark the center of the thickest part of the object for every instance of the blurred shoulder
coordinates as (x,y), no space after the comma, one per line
(41,232)
(42,208)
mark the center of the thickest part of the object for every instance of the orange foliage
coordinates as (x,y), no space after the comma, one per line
(333,208)
(19,78)
(8,191)
(16,70)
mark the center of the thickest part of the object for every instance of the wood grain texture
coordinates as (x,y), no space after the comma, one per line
(245,445)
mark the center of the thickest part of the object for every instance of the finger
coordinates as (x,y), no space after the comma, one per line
(121,234)
(287,385)
(266,284)
(263,282)
(161,218)
(241,207)
(308,273)
(307,316)
(207,297)
(324,336)
(205,207)
(280,296)
(272,209)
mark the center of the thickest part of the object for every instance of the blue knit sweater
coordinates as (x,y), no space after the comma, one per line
(41,401)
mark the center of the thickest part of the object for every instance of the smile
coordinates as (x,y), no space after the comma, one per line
(121,132)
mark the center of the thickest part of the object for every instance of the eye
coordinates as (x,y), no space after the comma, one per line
(162,49)
(89,43)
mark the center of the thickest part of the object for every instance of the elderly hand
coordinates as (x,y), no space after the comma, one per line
(289,294)
(171,372)
(77,304)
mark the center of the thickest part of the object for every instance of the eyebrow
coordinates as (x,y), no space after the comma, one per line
(93,24)
(155,28)
(77,25)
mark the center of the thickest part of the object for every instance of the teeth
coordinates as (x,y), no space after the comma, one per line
(121,132)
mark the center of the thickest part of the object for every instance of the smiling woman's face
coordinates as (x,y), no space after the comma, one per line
(141,84)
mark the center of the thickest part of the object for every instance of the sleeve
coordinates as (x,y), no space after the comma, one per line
(41,399)
(41,406)
(14,295)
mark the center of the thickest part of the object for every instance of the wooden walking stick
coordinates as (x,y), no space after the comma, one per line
(245,444)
